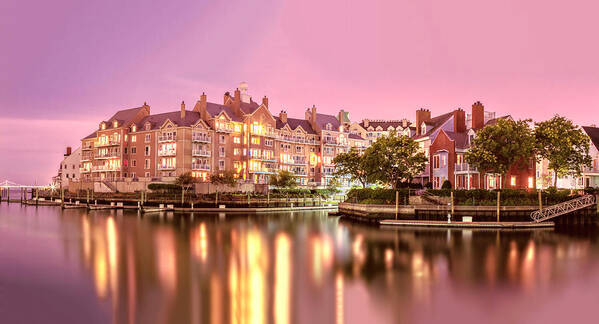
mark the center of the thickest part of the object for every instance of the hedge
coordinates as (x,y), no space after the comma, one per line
(377,196)
(509,197)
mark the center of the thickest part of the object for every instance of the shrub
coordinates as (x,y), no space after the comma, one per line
(446,185)
(378,195)
(428,185)
(164,187)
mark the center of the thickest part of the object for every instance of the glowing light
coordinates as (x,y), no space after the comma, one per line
(282,279)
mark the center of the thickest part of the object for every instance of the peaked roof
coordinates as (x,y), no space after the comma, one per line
(356,136)
(494,120)
(460,139)
(215,109)
(593,133)
(92,135)
(249,107)
(294,123)
(435,123)
(175,116)
(323,119)
(123,116)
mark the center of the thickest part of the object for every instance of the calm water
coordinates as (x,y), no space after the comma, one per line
(114,267)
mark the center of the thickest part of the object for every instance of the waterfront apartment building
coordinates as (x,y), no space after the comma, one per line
(371,130)
(239,135)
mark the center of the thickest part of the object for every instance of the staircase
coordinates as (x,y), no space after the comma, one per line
(109,185)
(430,199)
(563,208)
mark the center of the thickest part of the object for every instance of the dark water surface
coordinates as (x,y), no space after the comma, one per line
(114,267)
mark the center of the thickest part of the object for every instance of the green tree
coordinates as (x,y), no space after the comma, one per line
(497,147)
(185,181)
(284,179)
(394,159)
(351,164)
(564,145)
(225,178)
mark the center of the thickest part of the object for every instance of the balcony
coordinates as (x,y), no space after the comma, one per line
(331,141)
(224,128)
(201,138)
(265,133)
(105,168)
(166,167)
(87,147)
(591,170)
(464,167)
(167,138)
(200,153)
(264,170)
(167,152)
(84,170)
(200,166)
(110,142)
(298,140)
(107,155)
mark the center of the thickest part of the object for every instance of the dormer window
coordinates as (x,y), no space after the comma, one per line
(147,126)
(423,128)
(341,128)
(329,126)
(133,128)
(102,126)
(115,124)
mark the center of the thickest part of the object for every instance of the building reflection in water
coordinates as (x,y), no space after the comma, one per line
(223,271)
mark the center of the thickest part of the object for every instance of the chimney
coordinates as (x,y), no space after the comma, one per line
(182,109)
(314,114)
(68,153)
(283,116)
(237,102)
(366,123)
(478,116)
(225,97)
(422,116)
(265,101)
(459,121)
(200,107)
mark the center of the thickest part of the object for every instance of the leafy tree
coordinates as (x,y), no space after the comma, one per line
(284,179)
(225,178)
(564,145)
(497,147)
(351,164)
(393,159)
(333,186)
(185,181)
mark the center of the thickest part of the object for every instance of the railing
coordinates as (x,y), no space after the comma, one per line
(200,153)
(166,167)
(110,142)
(225,128)
(87,147)
(563,208)
(107,155)
(170,152)
(590,170)
(264,170)
(201,138)
(265,133)
(84,170)
(167,138)
(264,158)
(299,140)
(464,167)
(101,168)
(200,166)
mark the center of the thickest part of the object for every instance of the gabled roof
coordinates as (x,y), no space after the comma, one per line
(249,107)
(435,123)
(356,136)
(294,123)
(215,109)
(494,120)
(156,121)
(460,139)
(323,119)
(593,133)
(123,116)
(92,135)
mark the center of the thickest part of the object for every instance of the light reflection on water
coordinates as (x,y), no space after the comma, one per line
(281,269)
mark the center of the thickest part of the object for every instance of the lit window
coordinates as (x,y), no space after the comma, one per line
(530,183)
(513,181)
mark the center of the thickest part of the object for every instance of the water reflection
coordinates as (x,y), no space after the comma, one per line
(309,269)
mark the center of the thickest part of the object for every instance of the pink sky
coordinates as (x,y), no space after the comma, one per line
(66,65)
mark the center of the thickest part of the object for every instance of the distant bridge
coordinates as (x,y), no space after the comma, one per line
(12,185)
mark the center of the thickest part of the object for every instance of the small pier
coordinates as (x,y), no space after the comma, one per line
(497,225)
